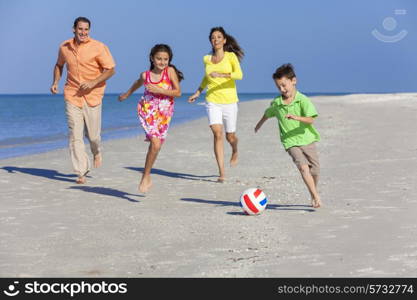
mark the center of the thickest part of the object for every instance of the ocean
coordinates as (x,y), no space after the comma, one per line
(36,123)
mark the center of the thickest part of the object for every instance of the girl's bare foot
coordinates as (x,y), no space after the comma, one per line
(233,159)
(97,160)
(81,180)
(145,184)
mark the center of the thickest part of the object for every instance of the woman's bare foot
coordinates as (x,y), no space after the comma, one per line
(233,159)
(145,184)
(316,203)
(97,160)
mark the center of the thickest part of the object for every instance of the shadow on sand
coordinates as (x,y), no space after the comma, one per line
(106,192)
(50,174)
(297,207)
(177,175)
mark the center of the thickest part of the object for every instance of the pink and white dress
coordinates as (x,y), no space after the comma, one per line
(155,110)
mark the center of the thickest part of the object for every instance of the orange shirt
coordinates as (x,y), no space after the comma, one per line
(85,62)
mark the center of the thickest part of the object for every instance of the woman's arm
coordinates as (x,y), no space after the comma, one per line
(236,70)
(201,88)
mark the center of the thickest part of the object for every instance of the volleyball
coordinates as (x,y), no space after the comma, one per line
(253,201)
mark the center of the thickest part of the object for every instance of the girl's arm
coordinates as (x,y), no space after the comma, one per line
(176,90)
(260,123)
(137,84)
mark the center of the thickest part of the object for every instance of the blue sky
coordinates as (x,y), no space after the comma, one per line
(330,43)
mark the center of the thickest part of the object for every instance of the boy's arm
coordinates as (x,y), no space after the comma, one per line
(260,123)
(307,120)
(308,112)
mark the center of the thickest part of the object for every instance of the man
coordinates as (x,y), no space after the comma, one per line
(89,64)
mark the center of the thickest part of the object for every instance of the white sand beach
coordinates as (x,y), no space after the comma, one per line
(190,226)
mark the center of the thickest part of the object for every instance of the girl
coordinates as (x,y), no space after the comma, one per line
(222,68)
(156,107)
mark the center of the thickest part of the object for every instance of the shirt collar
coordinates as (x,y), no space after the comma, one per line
(74,43)
(296,99)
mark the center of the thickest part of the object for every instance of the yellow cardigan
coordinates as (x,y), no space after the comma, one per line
(222,90)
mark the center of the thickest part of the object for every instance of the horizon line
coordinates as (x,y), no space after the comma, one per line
(275,92)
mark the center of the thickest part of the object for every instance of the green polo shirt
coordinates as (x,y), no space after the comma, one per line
(292,132)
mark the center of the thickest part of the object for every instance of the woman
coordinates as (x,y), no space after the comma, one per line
(222,68)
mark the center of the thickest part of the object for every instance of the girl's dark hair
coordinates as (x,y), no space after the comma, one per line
(164,48)
(82,19)
(231,43)
(286,70)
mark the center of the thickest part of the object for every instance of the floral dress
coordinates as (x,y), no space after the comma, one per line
(155,110)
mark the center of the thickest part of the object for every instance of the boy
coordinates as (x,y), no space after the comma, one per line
(296,114)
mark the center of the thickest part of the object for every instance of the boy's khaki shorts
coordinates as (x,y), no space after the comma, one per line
(306,155)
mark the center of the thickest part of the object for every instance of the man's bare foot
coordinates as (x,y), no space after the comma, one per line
(81,180)
(97,160)
(233,159)
(145,184)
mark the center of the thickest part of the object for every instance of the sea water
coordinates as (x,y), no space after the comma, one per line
(37,123)
(32,124)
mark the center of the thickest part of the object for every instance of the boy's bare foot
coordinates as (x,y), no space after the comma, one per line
(145,184)
(233,159)
(97,160)
(81,180)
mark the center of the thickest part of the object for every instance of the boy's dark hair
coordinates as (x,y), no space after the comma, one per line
(286,70)
(82,19)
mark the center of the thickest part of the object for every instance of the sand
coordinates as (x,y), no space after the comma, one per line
(190,226)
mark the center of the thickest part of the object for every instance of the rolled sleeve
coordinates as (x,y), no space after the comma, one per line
(270,112)
(308,109)
(61,59)
(105,59)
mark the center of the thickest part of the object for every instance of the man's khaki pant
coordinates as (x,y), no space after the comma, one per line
(83,121)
